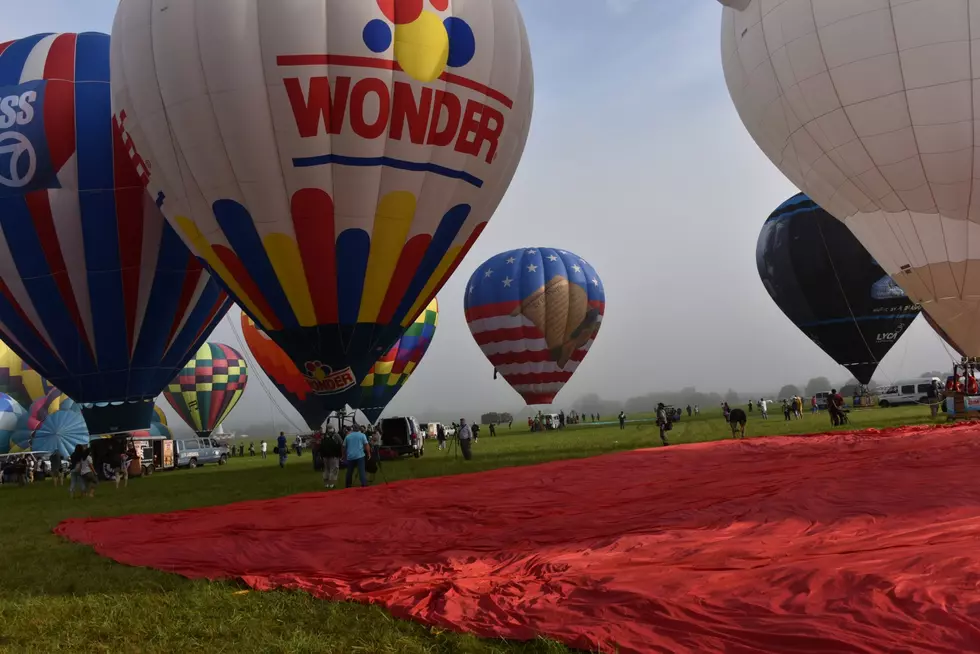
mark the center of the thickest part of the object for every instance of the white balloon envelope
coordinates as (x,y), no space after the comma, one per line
(868,107)
(331,160)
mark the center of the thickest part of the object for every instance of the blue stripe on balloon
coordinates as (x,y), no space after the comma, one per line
(41,356)
(15,56)
(442,240)
(162,307)
(32,266)
(97,203)
(353,248)
(187,341)
(92,57)
(239,228)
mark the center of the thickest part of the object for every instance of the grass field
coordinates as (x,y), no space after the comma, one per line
(56,596)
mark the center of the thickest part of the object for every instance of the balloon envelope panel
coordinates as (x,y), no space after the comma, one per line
(872,114)
(18,380)
(332,161)
(830,287)
(209,387)
(391,372)
(291,383)
(12,417)
(101,297)
(535,313)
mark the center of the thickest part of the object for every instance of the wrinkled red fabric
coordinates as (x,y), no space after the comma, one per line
(856,542)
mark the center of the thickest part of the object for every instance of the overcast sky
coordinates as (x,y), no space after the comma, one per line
(638,163)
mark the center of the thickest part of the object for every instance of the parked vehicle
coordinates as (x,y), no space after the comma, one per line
(906,391)
(402,436)
(193,452)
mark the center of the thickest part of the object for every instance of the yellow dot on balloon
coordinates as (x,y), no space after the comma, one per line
(422,47)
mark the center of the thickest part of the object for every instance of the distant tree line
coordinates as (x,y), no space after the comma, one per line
(496,418)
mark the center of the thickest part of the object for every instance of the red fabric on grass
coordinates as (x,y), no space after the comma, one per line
(857,542)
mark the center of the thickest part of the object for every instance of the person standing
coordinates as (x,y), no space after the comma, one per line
(441,436)
(764,408)
(813,405)
(662,423)
(465,436)
(86,470)
(493,430)
(331,451)
(750,406)
(281,448)
(264,447)
(56,471)
(77,484)
(835,404)
(799,408)
(934,394)
(786,410)
(251,449)
(357,450)
(622,420)
(122,470)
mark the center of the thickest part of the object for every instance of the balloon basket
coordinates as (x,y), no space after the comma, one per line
(960,406)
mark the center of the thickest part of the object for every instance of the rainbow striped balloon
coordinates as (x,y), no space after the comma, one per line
(392,371)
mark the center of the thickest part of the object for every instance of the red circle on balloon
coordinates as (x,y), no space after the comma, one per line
(401,12)
(439,5)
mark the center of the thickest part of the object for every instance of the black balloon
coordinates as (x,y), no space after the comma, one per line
(830,287)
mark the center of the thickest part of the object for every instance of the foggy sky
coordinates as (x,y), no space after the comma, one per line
(637,162)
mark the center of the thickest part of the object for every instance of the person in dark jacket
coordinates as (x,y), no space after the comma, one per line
(331,451)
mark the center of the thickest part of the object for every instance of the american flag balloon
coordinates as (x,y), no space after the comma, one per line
(535,313)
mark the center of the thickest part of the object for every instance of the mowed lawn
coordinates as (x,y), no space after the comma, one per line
(56,596)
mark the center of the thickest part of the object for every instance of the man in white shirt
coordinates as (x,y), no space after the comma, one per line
(265,448)
(764,407)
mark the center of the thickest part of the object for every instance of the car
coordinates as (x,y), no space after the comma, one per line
(194,452)
(822,400)
(907,391)
(402,437)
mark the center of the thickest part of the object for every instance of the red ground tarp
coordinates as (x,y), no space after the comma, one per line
(859,542)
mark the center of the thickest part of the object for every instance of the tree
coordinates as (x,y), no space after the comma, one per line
(817,385)
(789,390)
(732,397)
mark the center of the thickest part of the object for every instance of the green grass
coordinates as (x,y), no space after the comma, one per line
(57,596)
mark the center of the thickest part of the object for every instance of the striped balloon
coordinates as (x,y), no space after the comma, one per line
(391,371)
(535,313)
(208,387)
(97,292)
(332,160)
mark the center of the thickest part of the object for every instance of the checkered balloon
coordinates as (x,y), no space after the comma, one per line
(208,387)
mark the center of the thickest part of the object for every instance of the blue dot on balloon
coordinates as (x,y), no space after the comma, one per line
(377,35)
(462,42)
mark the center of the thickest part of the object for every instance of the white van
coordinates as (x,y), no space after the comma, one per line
(906,391)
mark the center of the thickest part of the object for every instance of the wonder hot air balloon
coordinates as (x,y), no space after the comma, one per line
(331,161)
(829,286)
(535,314)
(98,294)
(870,111)
(209,387)
(18,380)
(278,367)
(390,373)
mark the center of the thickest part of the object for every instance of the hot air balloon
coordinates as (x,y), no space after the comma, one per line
(100,296)
(942,334)
(829,286)
(870,111)
(331,161)
(53,423)
(278,367)
(391,371)
(158,416)
(535,313)
(12,417)
(18,380)
(209,387)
